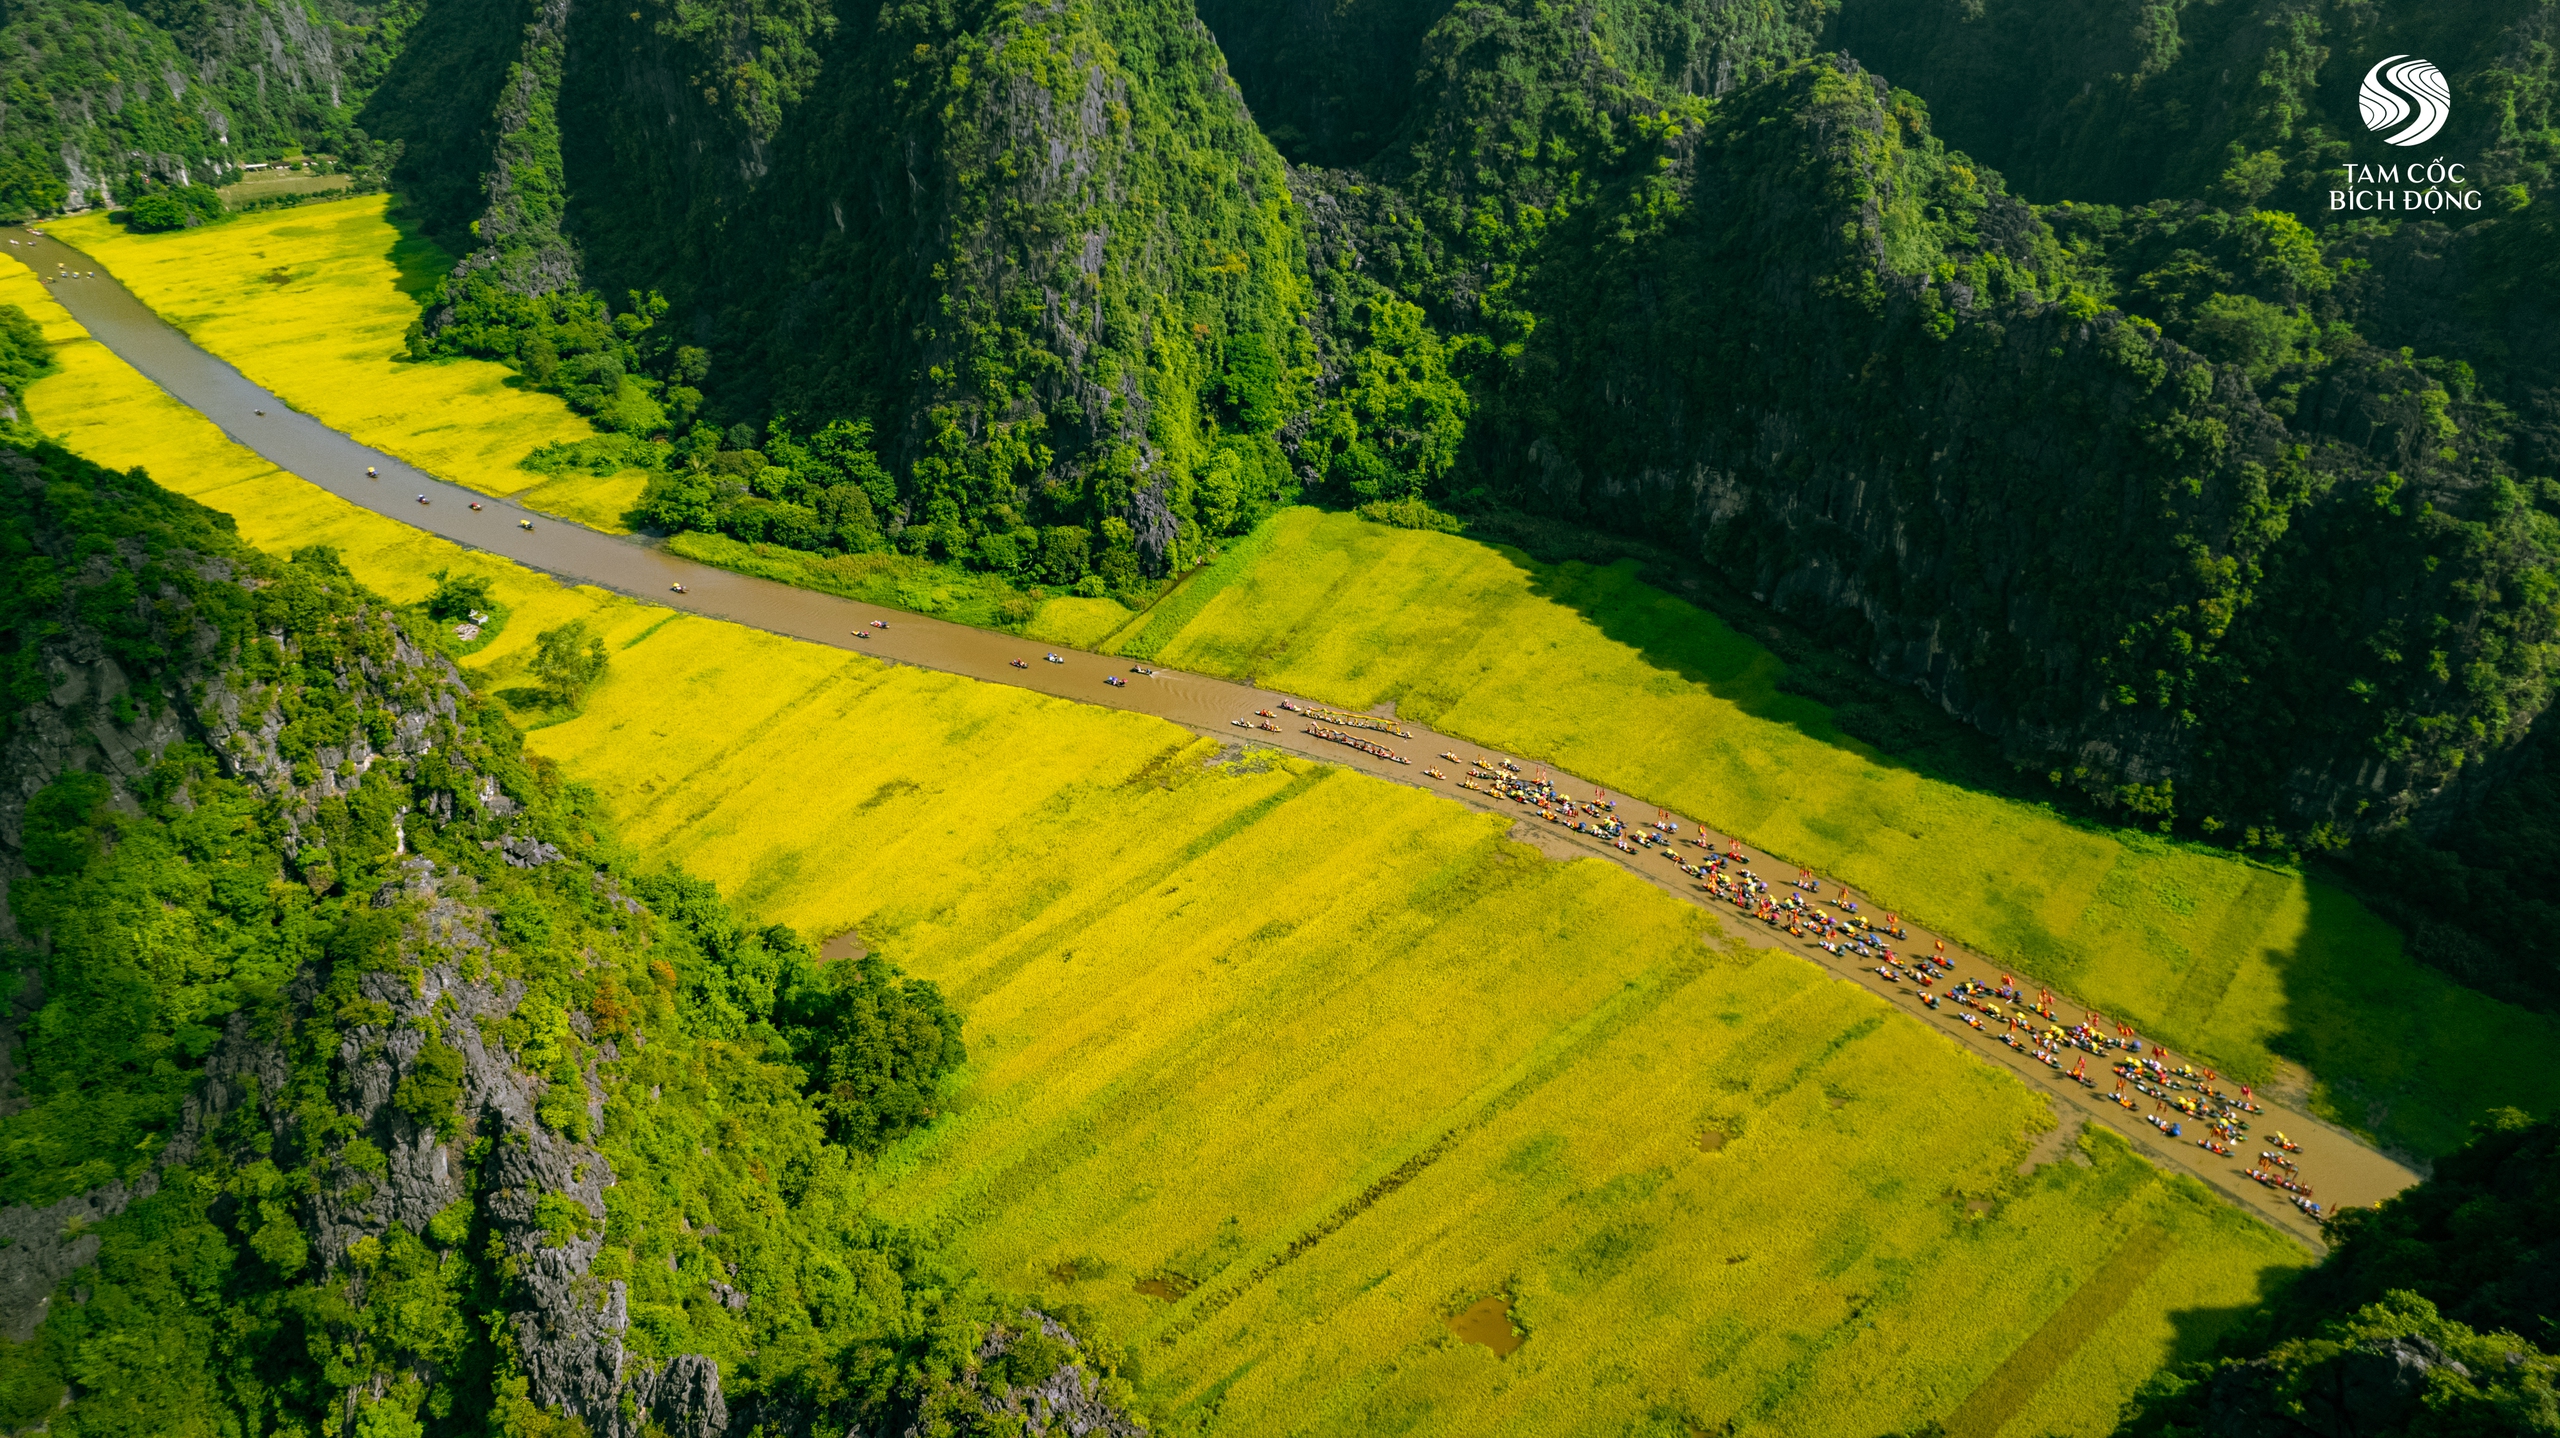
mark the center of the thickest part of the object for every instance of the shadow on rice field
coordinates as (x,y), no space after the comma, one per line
(2251,966)
(418,264)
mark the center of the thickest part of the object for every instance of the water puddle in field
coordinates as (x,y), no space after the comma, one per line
(1169,1287)
(1487,1321)
(847,945)
(1709,1140)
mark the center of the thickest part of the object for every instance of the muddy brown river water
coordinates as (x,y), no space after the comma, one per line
(2340,1167)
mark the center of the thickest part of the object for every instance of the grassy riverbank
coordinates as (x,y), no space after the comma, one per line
(1332,1059)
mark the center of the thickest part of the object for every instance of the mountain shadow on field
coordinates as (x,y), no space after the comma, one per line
(2392,1042)
(1751,657)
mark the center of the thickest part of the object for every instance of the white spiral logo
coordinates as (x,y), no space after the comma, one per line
(2399,87)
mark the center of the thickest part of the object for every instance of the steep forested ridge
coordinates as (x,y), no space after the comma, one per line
(107,101)
(361,1083)
(1041,252)
(2077,530)
(2162,496)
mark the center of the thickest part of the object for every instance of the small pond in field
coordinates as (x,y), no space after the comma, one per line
(1487,1321)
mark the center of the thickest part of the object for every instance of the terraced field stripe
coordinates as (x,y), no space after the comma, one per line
(2006,1391)
(1623,1008)
(1032,942)
(1174,612)
(2190,1011)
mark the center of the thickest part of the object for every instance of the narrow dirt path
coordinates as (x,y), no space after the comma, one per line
(2341,1168)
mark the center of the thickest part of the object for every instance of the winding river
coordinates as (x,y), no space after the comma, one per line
(2343,1168)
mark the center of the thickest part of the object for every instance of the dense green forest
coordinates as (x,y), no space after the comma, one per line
(108,102)
(362,1083)
(2432,1314)
(2160,494)
(1041,253)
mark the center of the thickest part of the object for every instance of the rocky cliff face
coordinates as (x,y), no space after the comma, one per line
(501,1155)
(110,101)
(1031,247)
(568,1325)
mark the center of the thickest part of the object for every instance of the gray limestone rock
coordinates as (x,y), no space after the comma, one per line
(45,1246)
(524,853)
(1070,1400)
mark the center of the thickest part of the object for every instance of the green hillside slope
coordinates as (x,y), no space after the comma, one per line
(107,102)
(362,1083)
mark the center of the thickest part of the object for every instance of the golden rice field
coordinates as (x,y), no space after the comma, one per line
(1331,1059)
(1584,666)
(313,302)
(1590,669)
(1336,1059)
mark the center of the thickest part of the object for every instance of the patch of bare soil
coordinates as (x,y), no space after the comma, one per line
(2056,1142)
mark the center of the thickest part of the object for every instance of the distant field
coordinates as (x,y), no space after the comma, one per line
(268,184)
(1333,1059)
(1597,672)
(312,302)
